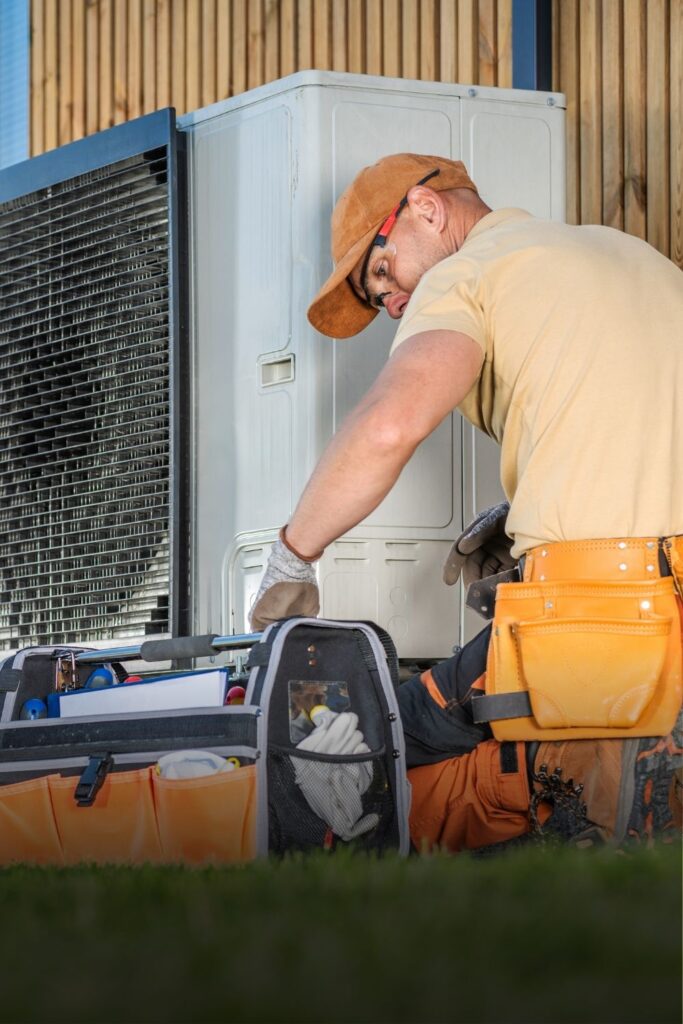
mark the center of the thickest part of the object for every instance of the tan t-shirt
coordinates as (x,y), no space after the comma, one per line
(582,381)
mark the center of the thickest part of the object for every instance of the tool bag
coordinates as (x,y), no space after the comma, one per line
(85,789)
(343,667)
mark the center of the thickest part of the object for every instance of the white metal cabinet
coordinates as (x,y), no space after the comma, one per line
(265,171)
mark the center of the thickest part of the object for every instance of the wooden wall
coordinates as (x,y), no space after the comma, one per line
(95,63)
(620,64)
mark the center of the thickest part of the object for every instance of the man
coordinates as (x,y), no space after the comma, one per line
(565,345)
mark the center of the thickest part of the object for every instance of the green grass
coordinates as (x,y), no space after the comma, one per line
(550,936)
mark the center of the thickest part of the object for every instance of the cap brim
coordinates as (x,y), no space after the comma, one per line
(336,310)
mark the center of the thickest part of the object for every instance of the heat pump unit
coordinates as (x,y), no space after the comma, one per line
(162,409)
(268,392)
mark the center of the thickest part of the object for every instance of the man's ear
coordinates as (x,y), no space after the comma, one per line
(428,206)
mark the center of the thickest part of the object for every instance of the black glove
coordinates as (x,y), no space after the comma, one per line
(482,549)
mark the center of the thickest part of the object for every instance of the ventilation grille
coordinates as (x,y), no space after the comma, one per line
(85,416)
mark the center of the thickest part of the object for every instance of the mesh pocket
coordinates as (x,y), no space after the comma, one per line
(317,802)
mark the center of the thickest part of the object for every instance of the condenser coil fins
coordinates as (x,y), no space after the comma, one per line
(91,406)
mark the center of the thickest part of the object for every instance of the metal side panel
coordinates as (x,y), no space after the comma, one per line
(515,152)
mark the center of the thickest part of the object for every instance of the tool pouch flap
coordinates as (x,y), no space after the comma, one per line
(572,660)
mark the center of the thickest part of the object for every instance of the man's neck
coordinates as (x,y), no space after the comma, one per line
(463,215)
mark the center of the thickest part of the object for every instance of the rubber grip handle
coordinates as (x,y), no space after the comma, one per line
(178,647)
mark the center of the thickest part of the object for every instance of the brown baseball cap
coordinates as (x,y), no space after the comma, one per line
(359,214)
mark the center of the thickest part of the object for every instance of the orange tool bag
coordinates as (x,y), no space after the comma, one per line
(589,644)
(86,787)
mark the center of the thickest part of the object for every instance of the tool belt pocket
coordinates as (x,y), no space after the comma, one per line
(576,660)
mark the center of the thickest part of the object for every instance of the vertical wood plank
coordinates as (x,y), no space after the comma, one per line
(239,46)
(134,58)
(287,37)
(178,79)
(193,79)
(569,84)
(120,61)
(635,156)
(410,42)
(92,64)
(504,43)
(255,43)
(555,44)
(340,45)
(272,47)
(590,119)
(223,50)
(356,36)
(613,114)
(448,42)
(429,48)
(51,70)
(391,37)
(676,138)
(487,71)
(208,45)
(657,125)
(78,68)
(304,35)
(106,83)
(373,37)
(65,75)
(149,56)
(321,34)
(468,41)
(37,77)
(163,82)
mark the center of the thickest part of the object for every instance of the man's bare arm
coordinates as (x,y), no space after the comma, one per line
(428,375)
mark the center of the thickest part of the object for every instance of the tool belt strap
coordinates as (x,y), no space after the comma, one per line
(615,558)
(499,706)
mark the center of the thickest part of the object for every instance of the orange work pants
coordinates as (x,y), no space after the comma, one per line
(471,801)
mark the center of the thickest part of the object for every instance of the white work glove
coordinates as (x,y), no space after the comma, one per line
(482,549)
(334,791)
(288,587)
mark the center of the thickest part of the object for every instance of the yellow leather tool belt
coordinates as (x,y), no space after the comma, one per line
(589,644)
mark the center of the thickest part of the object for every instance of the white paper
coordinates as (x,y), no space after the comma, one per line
(168,693)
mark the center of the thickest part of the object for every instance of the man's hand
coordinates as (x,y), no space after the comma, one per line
(482,549)
(288,587)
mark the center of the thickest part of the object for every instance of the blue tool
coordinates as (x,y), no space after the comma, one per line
(101,678)
(33,709)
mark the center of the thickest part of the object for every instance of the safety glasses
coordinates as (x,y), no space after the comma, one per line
(382,235)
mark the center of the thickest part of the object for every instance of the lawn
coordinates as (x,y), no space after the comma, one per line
(537,935)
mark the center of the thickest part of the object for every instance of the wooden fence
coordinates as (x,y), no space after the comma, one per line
(95,63)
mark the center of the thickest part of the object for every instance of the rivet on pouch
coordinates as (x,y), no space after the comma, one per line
(645,605)
(650,568)
(623,566)
(622,544)
(549,604)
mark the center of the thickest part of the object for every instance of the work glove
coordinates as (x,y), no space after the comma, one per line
(288,587)
(482,549)
(333,791)
(481,555)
